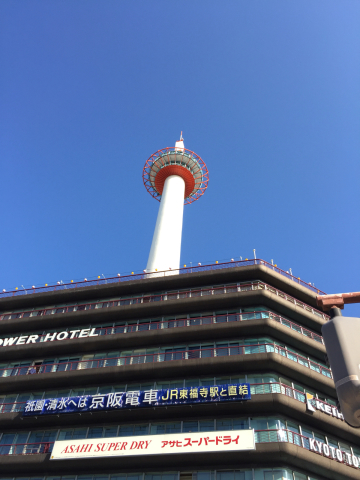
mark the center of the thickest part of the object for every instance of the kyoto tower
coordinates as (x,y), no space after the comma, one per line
(174,176)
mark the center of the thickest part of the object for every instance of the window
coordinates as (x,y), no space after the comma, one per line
(332,442)
(205,382)
(110,431)
(226,424)
(41,436)
(300,476)
(126,430)
(7,403)
(344,447)
(223,380)
(201,476)
(293,434)
(240,423)
(95,432)
(72,434)
(206,426)
(192,382)
(234,475)
(141,429)
(274,474)
(161,476)
(191,426)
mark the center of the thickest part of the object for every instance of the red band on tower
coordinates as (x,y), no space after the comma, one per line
(182,172)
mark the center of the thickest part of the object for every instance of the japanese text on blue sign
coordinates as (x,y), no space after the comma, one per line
(137,398)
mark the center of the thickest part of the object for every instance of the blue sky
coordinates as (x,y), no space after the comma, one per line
(266,92)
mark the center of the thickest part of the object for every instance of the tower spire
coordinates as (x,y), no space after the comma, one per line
(179,144)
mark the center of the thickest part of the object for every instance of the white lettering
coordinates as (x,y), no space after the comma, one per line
(319,445)
(326,449)
(355,461)
(62,335)
(309,405)
(323,407)
(312,444)
(332,449)
(84,333)
(32,338)
(9,341)
(73,333)
(50,337)
(92,334)
(320,406)
(339,455)
(336,453)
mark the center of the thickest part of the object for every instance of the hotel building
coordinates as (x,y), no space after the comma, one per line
(87,362)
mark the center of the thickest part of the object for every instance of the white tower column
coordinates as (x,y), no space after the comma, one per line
(166,243)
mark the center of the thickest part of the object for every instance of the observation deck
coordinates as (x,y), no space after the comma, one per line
(176,161)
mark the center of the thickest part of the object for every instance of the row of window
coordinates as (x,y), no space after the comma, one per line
(243,474)
(104,302)
(260,383)
(160,354)
(149,320)
(161,296)
(140,357)
(282,428)
(250,313)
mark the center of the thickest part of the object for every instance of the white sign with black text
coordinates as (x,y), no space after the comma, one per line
(223,441)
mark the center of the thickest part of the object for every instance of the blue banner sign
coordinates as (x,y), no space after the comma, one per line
(137,398)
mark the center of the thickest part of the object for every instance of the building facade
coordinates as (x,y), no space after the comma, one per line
(202,356)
